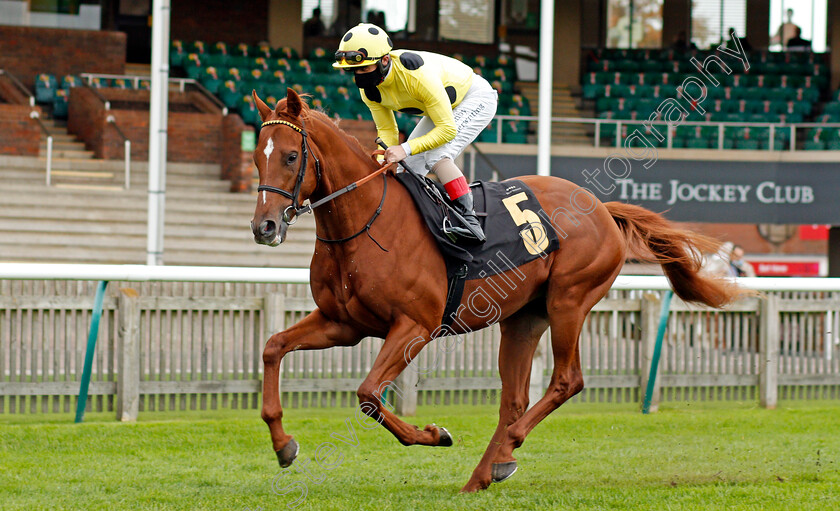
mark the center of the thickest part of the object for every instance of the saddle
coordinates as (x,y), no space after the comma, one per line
(517,229)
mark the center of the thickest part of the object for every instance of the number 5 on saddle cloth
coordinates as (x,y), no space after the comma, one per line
(517,229)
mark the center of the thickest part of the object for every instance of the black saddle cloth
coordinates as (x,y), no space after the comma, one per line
(507,242)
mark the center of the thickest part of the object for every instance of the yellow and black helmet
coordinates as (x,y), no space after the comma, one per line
(362,45)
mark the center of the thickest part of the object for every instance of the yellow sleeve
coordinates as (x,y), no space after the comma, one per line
(386,124)
(429,91)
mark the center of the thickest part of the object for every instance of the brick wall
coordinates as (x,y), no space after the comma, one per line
(19,135)
(197,134)
(29,51)
(231,144)
(220,20)
(748,237)
(364,131)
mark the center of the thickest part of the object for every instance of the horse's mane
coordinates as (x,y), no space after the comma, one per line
(307,113)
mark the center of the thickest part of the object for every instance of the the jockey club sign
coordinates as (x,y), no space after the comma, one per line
(702,191)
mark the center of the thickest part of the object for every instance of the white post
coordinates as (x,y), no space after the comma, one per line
(768,352)
(546,87)
(128,362)
(536,387)
(127,164)
(829,337)
(158,112)
(49,160)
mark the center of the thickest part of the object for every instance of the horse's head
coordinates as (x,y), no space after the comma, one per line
(287,167)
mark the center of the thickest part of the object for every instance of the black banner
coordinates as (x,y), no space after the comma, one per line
(699,191)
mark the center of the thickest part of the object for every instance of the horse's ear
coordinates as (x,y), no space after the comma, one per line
(294,105)
(265,111)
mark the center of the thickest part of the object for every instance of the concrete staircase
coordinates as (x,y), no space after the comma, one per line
(85,222)
(65,145)
(563,105)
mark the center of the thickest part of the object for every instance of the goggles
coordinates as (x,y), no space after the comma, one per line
(352,57)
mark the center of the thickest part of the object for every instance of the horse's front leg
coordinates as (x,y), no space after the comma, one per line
(314,332)
(405,335)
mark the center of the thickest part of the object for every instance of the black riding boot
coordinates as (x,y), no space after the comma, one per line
(473,231)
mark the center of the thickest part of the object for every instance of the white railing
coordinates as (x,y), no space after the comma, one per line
(143,273)
(777,346)
(720,125)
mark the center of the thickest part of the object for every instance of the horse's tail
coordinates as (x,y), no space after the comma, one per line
(679,253)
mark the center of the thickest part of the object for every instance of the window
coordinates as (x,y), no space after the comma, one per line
(395,13)
(467,20)
(809,15)
(634,23)
(712,19)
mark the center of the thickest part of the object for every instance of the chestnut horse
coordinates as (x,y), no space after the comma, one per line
(377,271)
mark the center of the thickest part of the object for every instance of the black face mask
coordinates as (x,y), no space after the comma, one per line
(368,80)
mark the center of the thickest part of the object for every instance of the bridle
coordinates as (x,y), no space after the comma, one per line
(294,195)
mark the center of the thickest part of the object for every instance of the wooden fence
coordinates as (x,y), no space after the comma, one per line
(179,346)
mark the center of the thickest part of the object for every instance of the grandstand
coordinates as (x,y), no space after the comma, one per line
(92,93)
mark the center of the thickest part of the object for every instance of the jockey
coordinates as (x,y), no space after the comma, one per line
(456,105)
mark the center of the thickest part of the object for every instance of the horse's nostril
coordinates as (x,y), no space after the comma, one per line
(268,228)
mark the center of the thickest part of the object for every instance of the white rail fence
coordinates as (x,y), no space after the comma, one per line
(178,338)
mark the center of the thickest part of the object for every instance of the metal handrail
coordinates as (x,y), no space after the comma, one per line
(99,96)
(182,85)
(20,86)
(212,97)
(36,115)
(127,144)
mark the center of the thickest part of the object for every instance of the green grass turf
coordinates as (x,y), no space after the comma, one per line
(584,456)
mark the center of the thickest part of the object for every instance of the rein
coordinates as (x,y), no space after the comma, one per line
(298,209)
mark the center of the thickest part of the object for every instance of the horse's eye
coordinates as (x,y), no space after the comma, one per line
(291,158)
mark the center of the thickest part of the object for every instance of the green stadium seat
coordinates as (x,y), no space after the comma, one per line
(230,94)
(60,104)
(240,61)
(233,73)
(197,47)
(489,134)
(264,49)
(814,145)
(45,88)
(747,144)
(70,81)
(241,50)
(211,80)
(286,52)
(320,53)
(218,60)
(592,90)
(618,91)
(122,83)
(96,82)
(219,47)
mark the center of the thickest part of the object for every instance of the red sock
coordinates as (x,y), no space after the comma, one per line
(457,187)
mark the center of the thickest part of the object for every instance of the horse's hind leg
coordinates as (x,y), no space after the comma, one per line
(566,320)
(521,334)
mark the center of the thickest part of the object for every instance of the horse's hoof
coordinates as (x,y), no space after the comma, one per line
(445,438)
(287,455)
(502,471)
